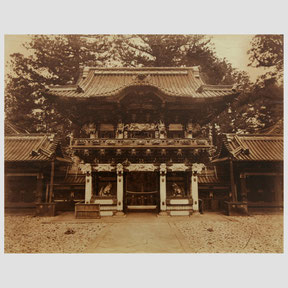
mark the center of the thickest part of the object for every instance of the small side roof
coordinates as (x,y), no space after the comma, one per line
(10,128)
(31,147)
(251,147)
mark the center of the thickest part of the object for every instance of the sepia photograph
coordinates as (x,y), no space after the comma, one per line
(143,143)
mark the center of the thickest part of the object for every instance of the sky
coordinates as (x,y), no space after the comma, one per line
(232,47)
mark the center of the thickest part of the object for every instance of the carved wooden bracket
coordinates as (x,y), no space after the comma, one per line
(197,168)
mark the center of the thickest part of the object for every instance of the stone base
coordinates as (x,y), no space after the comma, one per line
(236,208)
(119,214)
(180,213)
(45,209)
(195,213)
(163,214)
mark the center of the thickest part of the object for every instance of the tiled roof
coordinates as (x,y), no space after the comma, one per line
(29,147)
(277,128)
(75,179)
(254,147)
(181,82)
(12,129)
(208,179)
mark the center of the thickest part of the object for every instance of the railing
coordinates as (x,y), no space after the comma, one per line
(134,199)
(126,143)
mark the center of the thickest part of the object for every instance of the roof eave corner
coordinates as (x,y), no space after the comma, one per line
(83,72)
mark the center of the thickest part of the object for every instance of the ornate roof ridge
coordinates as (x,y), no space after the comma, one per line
(141,68)
(229,135)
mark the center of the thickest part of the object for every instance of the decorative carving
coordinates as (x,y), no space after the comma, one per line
(126,163)
(185,142)
(177,190)
(163,169)
(162,130)
(85,168)
(148,152)
(103,168)
(133,152)
(110,142)
(155,142)
(89,128)
(119,169)
(106,190)
(197,168)
(81,142)
(140,127)
(178,167)
(120,130)
(141,167)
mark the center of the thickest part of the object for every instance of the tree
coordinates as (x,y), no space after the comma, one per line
(54,60)
(174,51)
(267,52)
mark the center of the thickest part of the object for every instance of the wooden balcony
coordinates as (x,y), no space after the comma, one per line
(90,143)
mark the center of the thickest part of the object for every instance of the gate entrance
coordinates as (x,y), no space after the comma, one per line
(142,191)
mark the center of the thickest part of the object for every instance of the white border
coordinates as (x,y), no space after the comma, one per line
(184,17)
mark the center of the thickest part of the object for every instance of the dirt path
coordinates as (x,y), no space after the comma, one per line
(138,238)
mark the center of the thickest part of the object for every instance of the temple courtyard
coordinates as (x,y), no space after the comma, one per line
(210,232)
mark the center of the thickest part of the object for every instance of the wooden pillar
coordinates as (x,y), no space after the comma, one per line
(243,187)
(88,183)
(196,169)
(232,181)
(163,172)
(120,188)
(278,189)
(7,190)
(39,189)
(194,191)
(51,180)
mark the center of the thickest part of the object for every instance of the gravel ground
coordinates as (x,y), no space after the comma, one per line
(250,234)
(28,234)
(204,234)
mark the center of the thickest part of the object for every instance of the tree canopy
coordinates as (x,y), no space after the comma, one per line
(267,51)
(260,105)
(54,59)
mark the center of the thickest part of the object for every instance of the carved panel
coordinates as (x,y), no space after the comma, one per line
(85,168)
(104,168)
(178,167)
(141,167)
(197,168)
(163,169)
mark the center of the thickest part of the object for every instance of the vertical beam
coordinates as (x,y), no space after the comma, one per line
(278,189)
(163,172)
(194,191)
(196,169)
(243,187)
(88,183)
(119,187)
(7,190)
(39,189)
(51,180)
(232,181)
(47,193)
